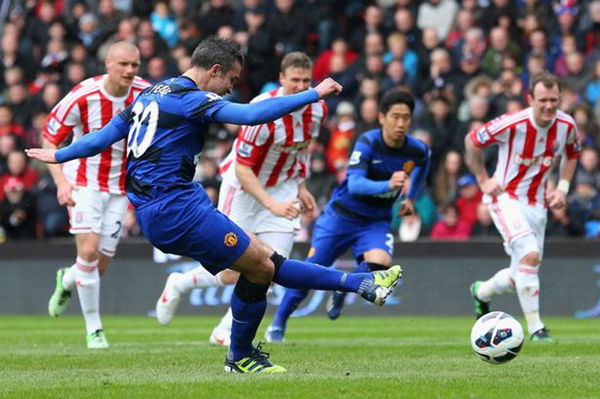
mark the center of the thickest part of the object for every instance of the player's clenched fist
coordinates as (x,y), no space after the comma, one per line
(397,180)
(42,154)
(328,87)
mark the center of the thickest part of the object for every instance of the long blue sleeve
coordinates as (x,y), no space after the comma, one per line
(95,142)
(266,110)
(418,176)
(360,185)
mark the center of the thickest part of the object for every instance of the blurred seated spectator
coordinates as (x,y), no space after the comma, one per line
(565,222)
(469,197)
(164,24)
(398,50)
(8,144)
(287,23)
(341,136)
(321,182)
(450,227)
(440,121)
(465,20)
(425,212)
(17,210)
(18,168)
(395,76)
(21,104)
(568,45)
(445,180)
(484,225)
(217,14)
(53,218)
(322,67)
(7,125)
(584,204)
(587,127)
(437,14)
(592,89)
(589,167)
(368,117)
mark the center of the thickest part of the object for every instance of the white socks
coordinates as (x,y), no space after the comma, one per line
(68,280)
(528,289)
(197,278)
(500,283)
(226,320)
(88,288)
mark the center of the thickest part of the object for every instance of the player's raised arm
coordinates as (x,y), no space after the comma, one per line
(89,145)
(274,108)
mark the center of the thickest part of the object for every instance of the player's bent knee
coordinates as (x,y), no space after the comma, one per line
(526,249)
(228,277)
(248,291)
(531,259)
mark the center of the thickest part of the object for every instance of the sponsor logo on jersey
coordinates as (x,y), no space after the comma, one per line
(294,147)
(408,166)
(231,239)
(544,160)
(355,158)
(245,150)
(482,135)
(52,126)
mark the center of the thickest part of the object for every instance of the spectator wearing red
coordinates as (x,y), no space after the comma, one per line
(7,125)
(450,227)
(18,168)
(323,61)
(468,199)
(342,133)
(17,210)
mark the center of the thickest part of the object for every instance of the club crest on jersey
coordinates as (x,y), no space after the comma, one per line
(408,166)
(311,252)
(231,239)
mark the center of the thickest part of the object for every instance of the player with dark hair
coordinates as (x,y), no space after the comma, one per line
(358,215)
(165,129)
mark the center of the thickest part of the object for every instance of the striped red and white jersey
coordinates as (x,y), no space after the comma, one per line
(527,152)
(276,151)
(86,108)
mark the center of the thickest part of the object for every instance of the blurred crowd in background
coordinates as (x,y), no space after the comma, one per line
(465,61)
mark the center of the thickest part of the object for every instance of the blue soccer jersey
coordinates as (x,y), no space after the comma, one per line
(374,160)
(164,141)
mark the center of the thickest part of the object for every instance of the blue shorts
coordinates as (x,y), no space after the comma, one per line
(185,222)
(334,233)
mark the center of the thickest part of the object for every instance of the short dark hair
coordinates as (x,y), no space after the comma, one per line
(216,50)
(545,78)
(396,96)
(296,59)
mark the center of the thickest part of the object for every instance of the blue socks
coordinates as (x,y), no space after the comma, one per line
(248,304)
(305,275)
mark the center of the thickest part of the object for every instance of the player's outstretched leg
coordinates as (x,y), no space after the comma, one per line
(335,304)
(60,297)
(88,290)
(483,291)
(292,298)
(169,300)
(375,287)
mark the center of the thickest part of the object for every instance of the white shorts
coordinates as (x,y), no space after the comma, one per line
(100,213)
(250,215)
(515,219)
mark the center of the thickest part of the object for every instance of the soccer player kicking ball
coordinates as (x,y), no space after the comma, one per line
(358,215)
(529,142)
(92,188)
(263,186)
(165,130)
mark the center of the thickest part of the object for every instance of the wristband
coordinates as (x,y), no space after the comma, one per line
(563,185)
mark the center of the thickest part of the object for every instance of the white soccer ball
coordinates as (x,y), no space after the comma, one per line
(497,337)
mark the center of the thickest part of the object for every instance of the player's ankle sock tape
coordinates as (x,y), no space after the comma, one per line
(373,267)
(277,261)
(248,291)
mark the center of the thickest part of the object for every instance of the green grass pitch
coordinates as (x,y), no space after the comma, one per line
(353,357)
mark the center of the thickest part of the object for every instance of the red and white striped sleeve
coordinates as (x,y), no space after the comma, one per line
(254,143)
(62,119)
(495,131)
(572,147)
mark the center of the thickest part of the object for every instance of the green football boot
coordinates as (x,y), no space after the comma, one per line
(96,340)
(256,362)
(481,307)
(541,335)
(60,297)
(377,289)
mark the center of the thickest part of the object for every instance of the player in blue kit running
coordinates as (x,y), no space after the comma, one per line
(358,215)
(165,129)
